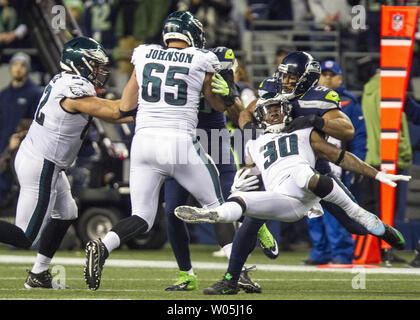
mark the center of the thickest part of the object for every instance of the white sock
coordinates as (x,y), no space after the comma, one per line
(354,211)
(229,211)
(190,272)
(340,198)
(111,241)
(227,249)
(42,263)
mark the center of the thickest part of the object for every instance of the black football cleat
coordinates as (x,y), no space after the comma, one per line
(42,280)
(227,286)
(393,237)
(96,253)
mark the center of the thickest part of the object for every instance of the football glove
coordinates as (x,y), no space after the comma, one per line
(390,178)
(305,122)
(221,86)
(244,183)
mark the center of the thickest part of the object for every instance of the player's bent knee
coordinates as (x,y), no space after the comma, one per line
(324,186)
(302,175)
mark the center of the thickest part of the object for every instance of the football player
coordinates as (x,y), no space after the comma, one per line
(212,124)
(51,145)
(167,82)
(311,105)
(286,160)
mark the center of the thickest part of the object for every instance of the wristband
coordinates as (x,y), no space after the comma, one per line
(124,114)
(340,157)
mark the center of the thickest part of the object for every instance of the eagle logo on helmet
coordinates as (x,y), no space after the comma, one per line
(87,58)
(183,25)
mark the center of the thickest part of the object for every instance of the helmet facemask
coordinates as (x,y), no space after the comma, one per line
(99,75)
(274,117)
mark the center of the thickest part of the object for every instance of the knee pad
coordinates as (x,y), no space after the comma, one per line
(324,187)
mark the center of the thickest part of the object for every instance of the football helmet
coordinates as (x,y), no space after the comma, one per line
(183,25)
(87,58)
(298,72)
(262,108)
(226,58)
(269,87)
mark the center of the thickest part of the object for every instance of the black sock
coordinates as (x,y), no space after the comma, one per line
(52,235)
(13,235)
(243,244)
(129,228)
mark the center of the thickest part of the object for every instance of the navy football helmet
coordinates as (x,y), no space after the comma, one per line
(298,73)
(226,58)
(183,25)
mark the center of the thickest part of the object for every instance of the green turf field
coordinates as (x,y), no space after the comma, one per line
(143,275)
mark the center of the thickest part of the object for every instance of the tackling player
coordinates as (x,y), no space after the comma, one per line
(286,161)
(167,82)
(51,145)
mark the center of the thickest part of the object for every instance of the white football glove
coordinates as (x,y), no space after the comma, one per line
(390,178)
(244,183)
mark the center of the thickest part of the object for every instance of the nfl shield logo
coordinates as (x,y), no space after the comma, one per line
(397,22)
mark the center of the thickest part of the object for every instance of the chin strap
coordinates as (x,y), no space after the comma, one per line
(274,128)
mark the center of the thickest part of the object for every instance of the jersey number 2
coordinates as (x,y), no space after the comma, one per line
(155,83)
(287,146)
(39,116)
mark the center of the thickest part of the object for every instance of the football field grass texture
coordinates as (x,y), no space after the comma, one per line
(144,275)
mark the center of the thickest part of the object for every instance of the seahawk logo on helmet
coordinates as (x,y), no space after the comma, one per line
(87,58)
(226,58)
(183,25)
(304,68)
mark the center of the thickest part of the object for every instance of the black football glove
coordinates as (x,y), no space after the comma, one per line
(305,122)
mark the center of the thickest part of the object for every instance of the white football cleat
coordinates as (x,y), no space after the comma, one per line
(197,215)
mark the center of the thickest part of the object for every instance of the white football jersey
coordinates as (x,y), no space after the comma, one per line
(55,133)
(170,82)
(277,154)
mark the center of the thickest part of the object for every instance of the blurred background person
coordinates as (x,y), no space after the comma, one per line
(18,103)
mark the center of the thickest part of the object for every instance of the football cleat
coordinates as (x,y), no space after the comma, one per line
(226,286)
(196,215)
(267,242)
(393,237)
(96,253)
(42,280)
(185,282)
(245,283)
(371,222)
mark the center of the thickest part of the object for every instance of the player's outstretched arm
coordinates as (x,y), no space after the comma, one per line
(334,123)
(214,99)
(94,106)
(350,162)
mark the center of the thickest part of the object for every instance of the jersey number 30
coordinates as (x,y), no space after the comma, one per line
(151,85)
(287,146)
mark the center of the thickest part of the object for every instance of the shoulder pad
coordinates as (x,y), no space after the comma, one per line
(321,93)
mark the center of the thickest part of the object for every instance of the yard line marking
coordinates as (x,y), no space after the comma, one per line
(121,263)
